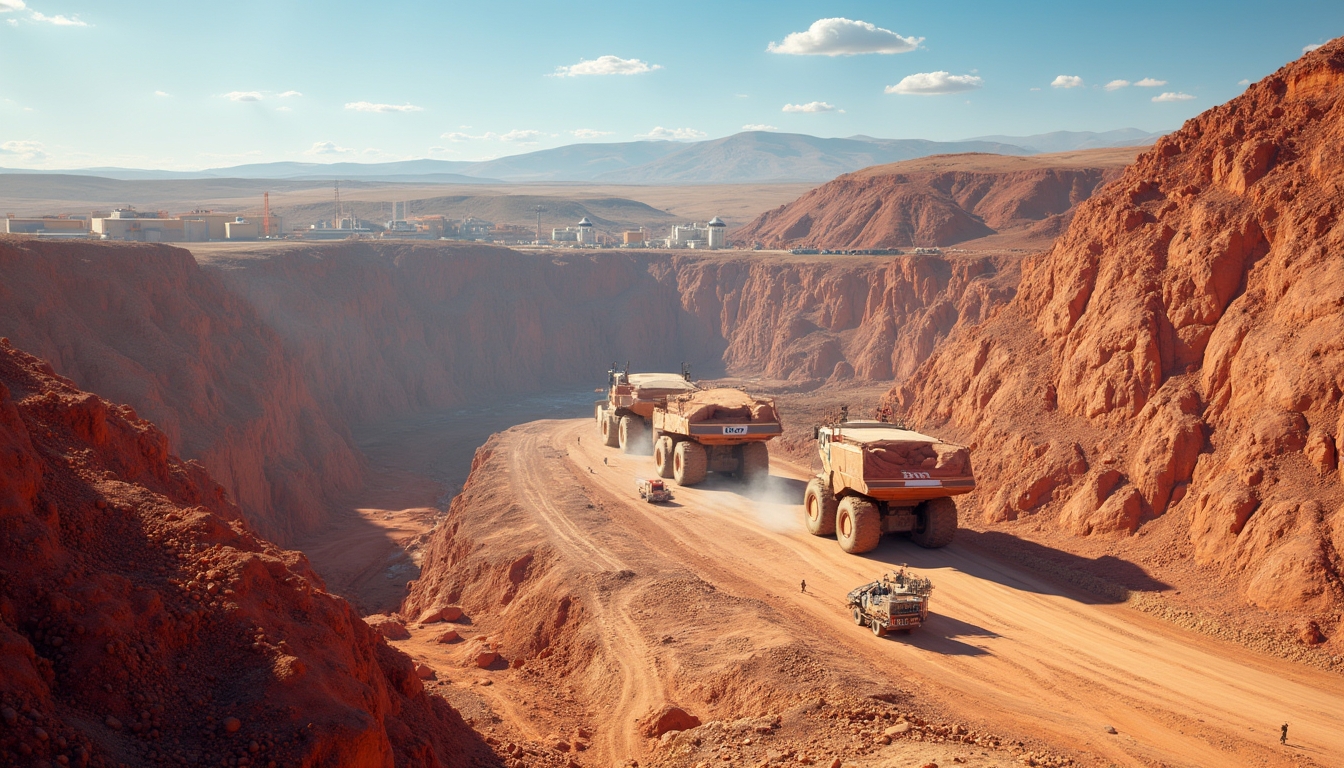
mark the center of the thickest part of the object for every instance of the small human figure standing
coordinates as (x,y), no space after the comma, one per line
(579,439)
(804,585)
(1283,734)
(604,461)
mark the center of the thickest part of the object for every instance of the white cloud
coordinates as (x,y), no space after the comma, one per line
(283,109)
(1312,47)
(759,127)
(1173,97)
(59,20)
(13,22)
(606,65)
(659,133)
(934,83)
(1149,82)
(1243,81)
(811,107)
(459,136)
(518,136)
(243,96)
(27,151)
(327,148)
(162,93)
(367,106)
(589,133)
(10,6)
(1067,81)
(288,94)
(843,37)
(1116,85)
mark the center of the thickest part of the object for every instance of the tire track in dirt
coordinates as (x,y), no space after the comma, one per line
(1003,644)
(640,685)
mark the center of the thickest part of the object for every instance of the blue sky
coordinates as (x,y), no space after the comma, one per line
(186,85)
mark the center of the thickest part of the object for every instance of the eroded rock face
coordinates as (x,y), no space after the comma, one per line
(1186,330)
(140,616)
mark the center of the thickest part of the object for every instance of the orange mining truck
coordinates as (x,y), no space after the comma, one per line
(714,430)
(880,478)
(624,416)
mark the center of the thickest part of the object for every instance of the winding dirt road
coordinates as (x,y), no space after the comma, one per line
(1003,646)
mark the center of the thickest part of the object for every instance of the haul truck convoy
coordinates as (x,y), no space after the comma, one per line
(879,478)
(714,430)
(631,397)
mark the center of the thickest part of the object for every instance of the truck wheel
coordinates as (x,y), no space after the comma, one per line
(631,434)
(755,462)
(689,463)
(819,504)
(662,456)
(935,523)
(878,629)
(599,413)
(611,428)
(858,617)
(858,525)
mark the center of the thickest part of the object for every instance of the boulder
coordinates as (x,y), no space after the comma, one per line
(424,672)
(388,626)
(485,658)
(451,636)
(669,718)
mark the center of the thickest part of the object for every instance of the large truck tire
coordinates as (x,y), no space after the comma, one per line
(662,456)
(755,463)
(689,463)
(819,505)
(611,429)
(858,525)
(935,523)
(599,413)
(632,436)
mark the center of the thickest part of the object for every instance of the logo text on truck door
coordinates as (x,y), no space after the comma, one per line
(734,430)
(915,475)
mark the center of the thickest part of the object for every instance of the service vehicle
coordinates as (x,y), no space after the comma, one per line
(899,601)
(653,491)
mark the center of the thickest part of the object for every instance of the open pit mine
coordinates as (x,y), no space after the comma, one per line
(252,512)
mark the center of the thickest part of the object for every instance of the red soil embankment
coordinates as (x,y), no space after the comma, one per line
(937,201)
(142,622)
(1175,365)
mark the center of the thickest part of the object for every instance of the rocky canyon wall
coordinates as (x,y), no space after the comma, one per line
(142,622)
(258,362)
(144,325)
(1179,353)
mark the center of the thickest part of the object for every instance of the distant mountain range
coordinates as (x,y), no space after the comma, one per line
(748,157)
(1068,141)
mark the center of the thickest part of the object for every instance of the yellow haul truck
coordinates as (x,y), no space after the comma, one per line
(624,416)
(714,430)
(879,478)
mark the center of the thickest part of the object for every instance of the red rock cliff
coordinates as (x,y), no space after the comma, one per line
(143,623)
(1178,351)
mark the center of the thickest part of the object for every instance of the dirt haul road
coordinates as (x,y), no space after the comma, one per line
(1002,646)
